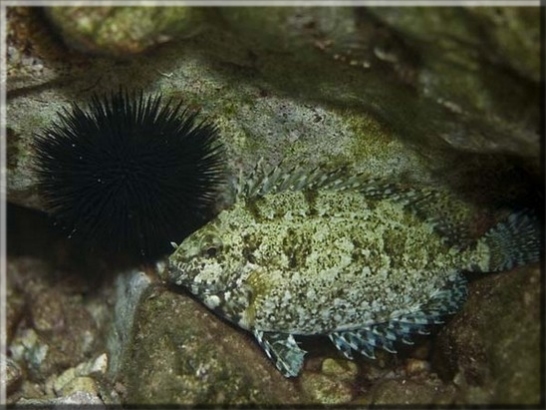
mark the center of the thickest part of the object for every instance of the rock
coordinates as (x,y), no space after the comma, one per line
(129,288)
(334,385)
(28,348)
(264,115)
(463,66)
(326,390)
(340,368)
(14,375)
(416,366)
(57,341)
(512,34)
(58,329)
(180,353)
(401,392)
(76,378)
(78,398)
(121,30)
(31,52)
(81,385)
(492,348)
(15,309)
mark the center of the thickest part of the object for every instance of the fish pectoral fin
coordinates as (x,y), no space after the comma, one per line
(283,350)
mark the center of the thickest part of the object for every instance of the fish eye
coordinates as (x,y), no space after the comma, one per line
(210,246)
(211,252)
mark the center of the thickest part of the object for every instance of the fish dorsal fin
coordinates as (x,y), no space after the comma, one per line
(454,234)
(425,202)
(429,204)
(265,180)
(448,215)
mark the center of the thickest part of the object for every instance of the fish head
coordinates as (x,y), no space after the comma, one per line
(206,256)
(211,264)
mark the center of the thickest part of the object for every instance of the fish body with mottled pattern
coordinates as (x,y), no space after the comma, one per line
(353,258)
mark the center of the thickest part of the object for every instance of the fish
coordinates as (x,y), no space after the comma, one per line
(305,251)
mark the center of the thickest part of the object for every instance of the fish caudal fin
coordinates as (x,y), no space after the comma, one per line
(514,242)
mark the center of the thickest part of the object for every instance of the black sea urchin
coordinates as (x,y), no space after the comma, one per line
(130,174)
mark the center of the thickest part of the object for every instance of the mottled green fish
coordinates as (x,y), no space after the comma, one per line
(313,253)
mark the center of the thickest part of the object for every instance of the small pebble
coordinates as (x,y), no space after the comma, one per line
(14,375)
(416,366)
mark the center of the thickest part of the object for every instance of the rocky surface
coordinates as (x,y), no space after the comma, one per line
(59,310)
(181,353)
(58,330)
(438,96)
(492,349)
(112,30)
(333,384)
(14,375)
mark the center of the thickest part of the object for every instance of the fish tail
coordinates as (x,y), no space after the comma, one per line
(514,242)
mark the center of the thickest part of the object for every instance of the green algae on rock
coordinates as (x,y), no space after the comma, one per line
(309,252)
(179,353)
(122,30)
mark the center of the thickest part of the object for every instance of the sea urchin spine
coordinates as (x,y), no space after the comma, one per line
(130,174)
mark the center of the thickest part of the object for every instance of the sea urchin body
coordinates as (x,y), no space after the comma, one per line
(131,173)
